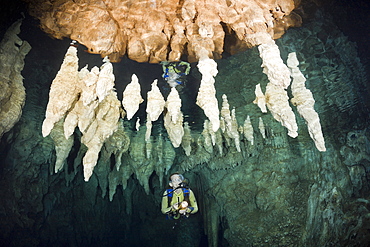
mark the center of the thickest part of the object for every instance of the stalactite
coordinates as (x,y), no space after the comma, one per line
(168,155)
(206,98)
(89,84)
(248,130)
(219,142)
(235,132)
(62,145)
(118,144)
(230,122)
(260,98)
(12,94)
(211,133)
(225,114)
(261,127)
(60,99)
(104,125)
(156,103)
(105,83)
(187,139)
(132,97)
(279,79)
(173,105)
(148,126)
(303,99)
(207,140)
(173,119)
(148,148)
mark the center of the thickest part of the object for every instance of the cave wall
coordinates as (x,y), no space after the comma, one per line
(278,192)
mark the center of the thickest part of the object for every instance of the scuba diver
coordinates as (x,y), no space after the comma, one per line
(179,200)
(175,72)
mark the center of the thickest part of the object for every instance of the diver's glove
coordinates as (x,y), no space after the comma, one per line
(175,206)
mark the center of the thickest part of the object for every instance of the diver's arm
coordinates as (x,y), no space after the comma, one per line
(165,209)
(193,203)
(187,69)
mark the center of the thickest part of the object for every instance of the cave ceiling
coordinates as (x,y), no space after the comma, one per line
(165,30)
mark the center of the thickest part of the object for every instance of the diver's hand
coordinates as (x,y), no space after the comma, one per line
(175,206)
(184,207)
(183,211)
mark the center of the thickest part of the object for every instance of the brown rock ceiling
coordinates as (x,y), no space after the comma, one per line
(161,30)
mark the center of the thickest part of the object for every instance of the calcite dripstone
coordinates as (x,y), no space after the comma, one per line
(12,94)
(154,31)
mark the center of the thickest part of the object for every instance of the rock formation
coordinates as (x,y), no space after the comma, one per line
(155,31)
(256,185)
(12,94)
(303,99)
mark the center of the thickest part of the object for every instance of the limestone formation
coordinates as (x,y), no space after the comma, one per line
(104,125)
(186,139)
(61,99)
(303,99)
(155,31)
(62,144)
(84,99)
(248,130)
(105,83)
(173,119)
(260,98)
(156,102)
(274,192)
(279,79)
(131,97)
(273,66)
(234,130)
(12,94)
(148,128)
(118,143)
(231,124)
(173,105)
(261,127)
(207,93)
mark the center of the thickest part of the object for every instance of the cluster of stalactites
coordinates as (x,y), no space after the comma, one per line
(84,99)
(229,131)
(12,94)
(87,100)
(276,97)
(155,31)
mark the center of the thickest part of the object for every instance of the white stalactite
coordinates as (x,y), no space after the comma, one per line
(88,94)
(225,114)
(63,92)
(303,99)
(261,127)
(148,128)
(105,83)
(132,97)
(234,130)
(62,145)
(279,79)
(248,130)
(173,105)
(187,139)
(230,122)
(206,98)
(207,143)
(273,66)
(105,123)
(260,98)
(97,118)
(173,119)
(156,102)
